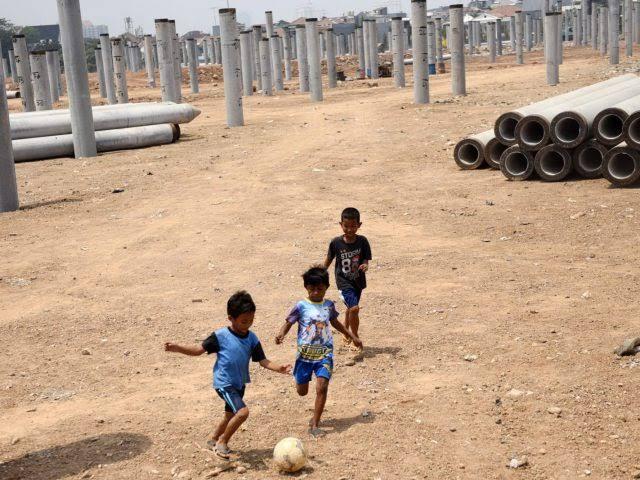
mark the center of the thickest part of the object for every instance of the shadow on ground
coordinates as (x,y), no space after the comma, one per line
(370,352)
(65,460)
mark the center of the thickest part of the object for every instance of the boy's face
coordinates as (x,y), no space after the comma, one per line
(316,292)
(242,323)
(350,227)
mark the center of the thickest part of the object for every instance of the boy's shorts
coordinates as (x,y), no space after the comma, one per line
(303,371)
(233,398)
(351,296)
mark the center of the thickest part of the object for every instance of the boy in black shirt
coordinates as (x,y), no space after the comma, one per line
(352,253)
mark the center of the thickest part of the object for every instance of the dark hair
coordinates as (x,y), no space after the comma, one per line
(350,214)
(239,303)
(316,275)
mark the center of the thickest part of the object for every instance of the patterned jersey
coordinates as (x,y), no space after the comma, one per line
(315,341)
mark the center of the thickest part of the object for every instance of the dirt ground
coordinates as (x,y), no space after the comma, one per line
(539,281)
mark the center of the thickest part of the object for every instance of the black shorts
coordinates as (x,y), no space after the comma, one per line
(233,398)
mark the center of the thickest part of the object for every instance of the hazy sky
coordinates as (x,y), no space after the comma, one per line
(189,14)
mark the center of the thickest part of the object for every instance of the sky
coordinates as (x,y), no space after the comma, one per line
(189,14)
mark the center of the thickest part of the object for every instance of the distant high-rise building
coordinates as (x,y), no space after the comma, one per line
(89,30)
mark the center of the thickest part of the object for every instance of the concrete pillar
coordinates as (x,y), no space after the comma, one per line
(551,48)
(269,30)
(164,44)
(6,69)
(40,80)
(24,73)
(192,58)
(431,44)
(603,21)
(107,64)
(528,30)
(256,32)
(577,31)
(559,45)
(373,48)
(456,47)
(397,45)
(512,32)
(491,40)
(323,46)
(99,70)
(75,69)
(8,185)
(206,54)
(362,68)
(293,34)
(499,37)
(583,20)
(246,55)
(628,27)
(477,36)
(538,30)
(594,27)
(303,63)
(185,53)
(470,41)
(59,71)
(276,64)
(177,71)
(330,42)
(614,44)
(265,66)
(367,47)
(149,63)
(286,43)
(636,23)
(420,54)
(519,21)
(12,63)
(54,77)
(230,68)
(217,49)
(119,70)
(313,54)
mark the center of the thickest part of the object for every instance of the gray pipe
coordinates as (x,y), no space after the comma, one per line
(420,54)
(594,27)
(13,94)
(431,43)
(99,70)
(330,41)
(217,48)
(577,33)
(75,69)
(246,54)
(165,60)
(24,72)
(608,124)
(148,60)
(622,165)
(54,79)
(631,130)
(373,48)
(230,68)
(313,54)
(628,27)
(519,39)
(491,40)
(265,67)
(177,71)
(14,69)
(553,163)
(8,185)
(517,164)
(506,123)
(192,57)
(397,40)
(439,49)
(604,35)
(303,63)
(456,46)
(588,159)
(512,32)
(551,49)
(287,54)
(499,37)
(40,80)
(107,66)
(573,125)
(469,152)
(614,45)
(40,148)
(276,64)
(119,70)
(256,33)
(362,68)
(269,30)
(185,53)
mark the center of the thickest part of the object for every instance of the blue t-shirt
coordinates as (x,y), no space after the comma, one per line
(315,341)
(233,353)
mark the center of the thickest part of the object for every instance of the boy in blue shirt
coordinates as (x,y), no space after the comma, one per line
(234,346)
(315,316)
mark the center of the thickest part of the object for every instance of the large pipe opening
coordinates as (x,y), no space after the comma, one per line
(468,154)
(496,150)
(610,126)
(532,133)
(507,128)
(621,166)
(567,130)
(552,163)
(634,130)
(590,160)
(516,164)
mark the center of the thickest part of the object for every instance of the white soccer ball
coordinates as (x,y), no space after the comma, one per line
(289,455)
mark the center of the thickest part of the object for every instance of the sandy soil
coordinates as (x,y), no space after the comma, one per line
(539,281)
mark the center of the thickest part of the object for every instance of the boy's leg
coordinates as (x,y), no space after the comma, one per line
(322,389)
(354,315)
(222,426)
(236,412)
(238,419)
(345,296)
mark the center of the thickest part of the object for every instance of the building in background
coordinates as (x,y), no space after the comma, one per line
(90,30)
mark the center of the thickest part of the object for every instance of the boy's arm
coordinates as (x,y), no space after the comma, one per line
(191,350)
(335,323)
(275,367)
(327,261)
(283,333)
(366,254)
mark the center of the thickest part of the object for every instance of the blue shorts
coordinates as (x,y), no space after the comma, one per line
(351,296)
(232,398)
(303,371)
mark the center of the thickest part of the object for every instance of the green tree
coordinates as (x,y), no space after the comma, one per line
(90,46)
(7,29)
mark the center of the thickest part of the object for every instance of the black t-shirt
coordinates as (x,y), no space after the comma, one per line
(349,257)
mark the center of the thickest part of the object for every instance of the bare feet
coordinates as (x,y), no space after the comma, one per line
(316,432)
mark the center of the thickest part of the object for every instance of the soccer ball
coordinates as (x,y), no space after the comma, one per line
(289,455)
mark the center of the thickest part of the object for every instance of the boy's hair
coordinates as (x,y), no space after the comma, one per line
(350,214)
(316,275)
(239,303)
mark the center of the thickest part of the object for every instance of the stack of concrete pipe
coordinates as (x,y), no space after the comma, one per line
(593,131)
(47,134)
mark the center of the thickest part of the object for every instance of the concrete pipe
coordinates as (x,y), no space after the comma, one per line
(517,164)
(58,122)
(8,185)
(493,152)
(505,126)
(313,54)
(622,165)
(303,62)
(631,130)
(41,148)
(572,126)
(230,67)
(13,94)
(469,152)
(588,159)
(553,163)
(40,80)
(420,51)
(608,125)
(265,67)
